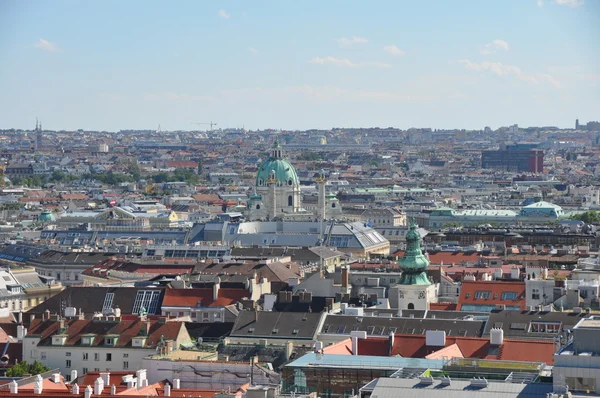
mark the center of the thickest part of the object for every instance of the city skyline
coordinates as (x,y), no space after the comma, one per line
(465,64)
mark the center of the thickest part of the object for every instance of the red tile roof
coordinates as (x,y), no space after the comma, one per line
(414,346)
(495,289)
(125,329)
(190,297)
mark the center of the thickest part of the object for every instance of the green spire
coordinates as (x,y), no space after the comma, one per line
(414,262)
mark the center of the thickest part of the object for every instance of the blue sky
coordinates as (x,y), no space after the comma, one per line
(297,65)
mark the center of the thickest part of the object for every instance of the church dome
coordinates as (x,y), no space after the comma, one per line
(283,170)
(46,216)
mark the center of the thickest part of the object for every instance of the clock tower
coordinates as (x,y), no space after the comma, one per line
(415,290)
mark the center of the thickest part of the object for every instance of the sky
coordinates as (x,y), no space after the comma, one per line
(137,64)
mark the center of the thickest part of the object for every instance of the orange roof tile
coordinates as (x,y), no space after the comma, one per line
(494,293)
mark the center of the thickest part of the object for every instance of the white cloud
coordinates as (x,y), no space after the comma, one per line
(45,45)
(392,49)
(253,50)
(224,15)
(540,3)
(347,42)
(500,69)
(569,3)
(345,62)
(491,48)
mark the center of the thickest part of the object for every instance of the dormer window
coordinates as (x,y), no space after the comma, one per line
(87,340)
(110,341)
(59,339)
(139,341)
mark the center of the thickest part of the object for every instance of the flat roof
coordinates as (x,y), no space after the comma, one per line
(315,360)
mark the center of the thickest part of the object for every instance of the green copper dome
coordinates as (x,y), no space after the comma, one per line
(284,172)
(414,262)
(46,216)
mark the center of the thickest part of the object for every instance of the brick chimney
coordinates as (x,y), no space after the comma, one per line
(345,276)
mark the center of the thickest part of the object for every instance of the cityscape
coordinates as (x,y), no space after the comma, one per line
(248,246)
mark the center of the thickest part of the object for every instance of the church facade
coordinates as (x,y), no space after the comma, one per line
(277,193)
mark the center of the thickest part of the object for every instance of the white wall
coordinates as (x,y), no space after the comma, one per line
(56,356)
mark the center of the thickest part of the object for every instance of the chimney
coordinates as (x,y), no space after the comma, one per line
(289,348)
(167,390)
(88,392)
(46,315)
(176,384)
(106,377)
(496,336)
(98,386)
(38,385)
(141,378)
(255,315)
(515,273)
(345,276)
(73,375)
(20,317)
(113,390)
(216,287)
(148,327)
(391,343)
(61,325)
(31,318)
(21,332)
(75,389)
(14,387)
(56,378)
(354,345)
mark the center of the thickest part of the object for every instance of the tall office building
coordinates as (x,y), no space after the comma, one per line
(523,157)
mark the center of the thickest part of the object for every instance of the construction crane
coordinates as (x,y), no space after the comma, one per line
(211,124)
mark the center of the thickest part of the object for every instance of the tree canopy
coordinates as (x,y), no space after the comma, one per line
(23,368)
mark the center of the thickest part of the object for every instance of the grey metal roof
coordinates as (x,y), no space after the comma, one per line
(382,326)
(394,388)
(516,323)
(276,325)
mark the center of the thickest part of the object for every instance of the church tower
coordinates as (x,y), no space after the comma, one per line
(415,290)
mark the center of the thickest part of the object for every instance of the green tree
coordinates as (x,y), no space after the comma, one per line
(22,368)
(134,170)
(589,217)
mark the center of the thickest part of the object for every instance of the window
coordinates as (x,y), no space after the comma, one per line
(148,299)
(76,277)
(217,315)
(68,363)
(108,300)
(42,355)
(84,370)
(108,356)
(67,354)
(544,327)
(85,356)
(125,364)
(509,296)
(535,294)
(482,295)
(290,200)
(96,356)
(125,355)
(58,276)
